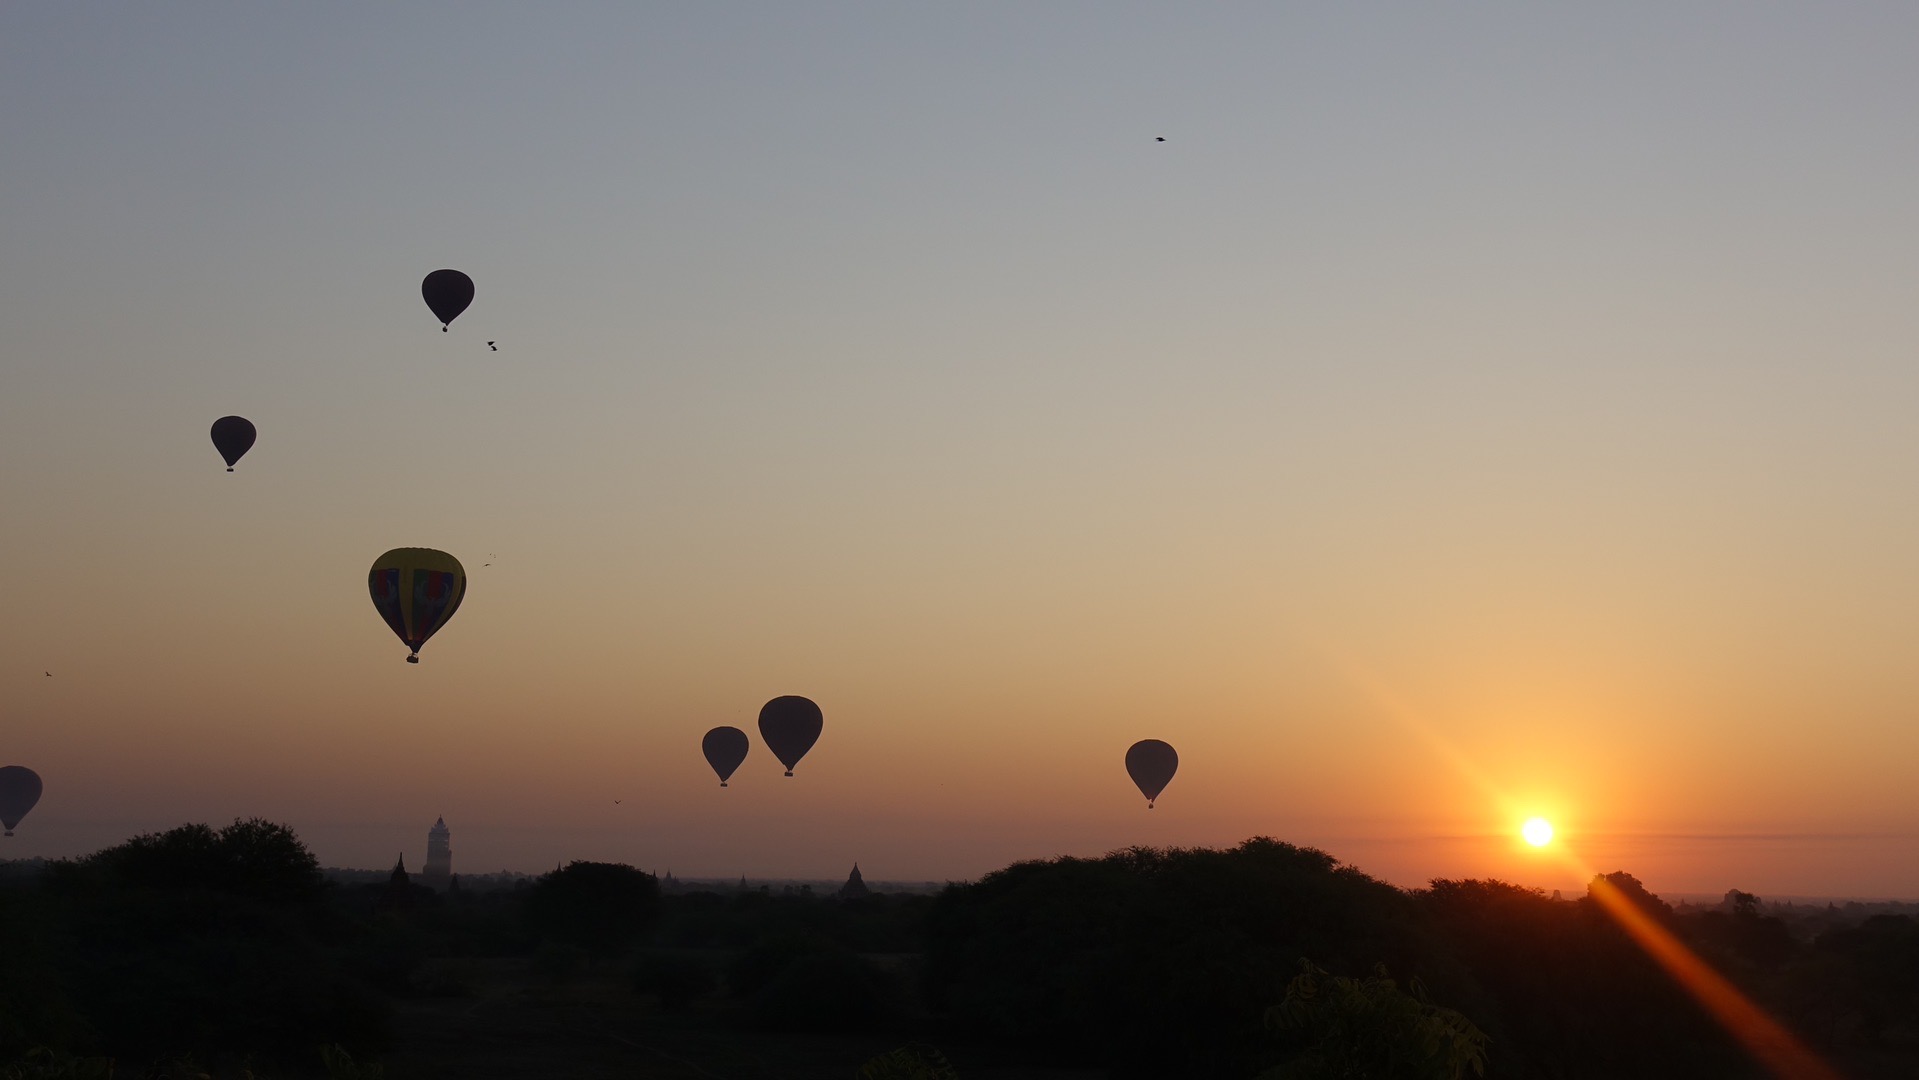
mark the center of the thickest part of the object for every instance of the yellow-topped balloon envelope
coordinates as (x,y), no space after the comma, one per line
(416,591)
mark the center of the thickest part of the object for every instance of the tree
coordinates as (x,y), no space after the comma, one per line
(254,858)
(1156,962)
(203,941)
(1361,1028)
(600,907)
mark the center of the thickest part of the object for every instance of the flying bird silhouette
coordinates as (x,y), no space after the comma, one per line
(496,348)
(1159,138)
(48,674)
(616,802)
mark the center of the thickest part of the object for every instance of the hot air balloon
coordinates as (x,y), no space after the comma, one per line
(790,726)
(447,293)
(725,748)
(416,591)
(233,437)
(1151,764)
(19,790)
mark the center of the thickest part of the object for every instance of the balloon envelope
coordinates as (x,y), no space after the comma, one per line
(790,726)
(233,437)
(1151,764)
(725,748)
(447,293)
(416,590)
(19,790)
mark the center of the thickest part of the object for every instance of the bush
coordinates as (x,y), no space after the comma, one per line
(829,990)
(556,963)
(911,1062)
(677,979)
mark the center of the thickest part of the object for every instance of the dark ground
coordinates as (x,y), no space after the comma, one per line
(511,1025)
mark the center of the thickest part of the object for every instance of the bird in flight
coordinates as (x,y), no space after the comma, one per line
(616,802)
(48,674)
(1156,138)
(496,348)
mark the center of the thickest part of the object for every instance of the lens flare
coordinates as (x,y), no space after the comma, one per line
(1537,831)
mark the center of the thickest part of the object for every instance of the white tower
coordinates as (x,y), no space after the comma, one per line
(438,871)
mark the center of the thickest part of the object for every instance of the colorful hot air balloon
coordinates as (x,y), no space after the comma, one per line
(233,437)
(790,726)
(447,293)
(416,591)
(725,748)
(1151,764)
(19,790)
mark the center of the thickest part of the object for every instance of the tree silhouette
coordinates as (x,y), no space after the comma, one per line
(599,907)
(1362,1028)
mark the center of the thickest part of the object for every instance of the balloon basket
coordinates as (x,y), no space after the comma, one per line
(722,783)
(789,772)
(9,832)
(412,659)
(229,468)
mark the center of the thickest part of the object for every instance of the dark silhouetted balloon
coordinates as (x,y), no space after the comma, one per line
(416,590)
(447,293)
(19,790)
(725,748)
(790,726)
(233,437)
(1151,764)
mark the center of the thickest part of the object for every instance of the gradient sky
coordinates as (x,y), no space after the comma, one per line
(1468,412)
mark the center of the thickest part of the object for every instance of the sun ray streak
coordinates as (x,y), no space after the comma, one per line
(1764,1038)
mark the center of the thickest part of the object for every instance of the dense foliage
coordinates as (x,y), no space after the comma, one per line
(227,948)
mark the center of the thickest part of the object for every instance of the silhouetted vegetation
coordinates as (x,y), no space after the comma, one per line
(224,952)
(601,907)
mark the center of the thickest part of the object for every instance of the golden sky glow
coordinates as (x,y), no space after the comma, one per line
(1456,420)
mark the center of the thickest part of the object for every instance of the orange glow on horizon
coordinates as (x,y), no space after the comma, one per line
(1768,1041)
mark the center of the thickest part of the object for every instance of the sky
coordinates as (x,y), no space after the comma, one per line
(1466,413)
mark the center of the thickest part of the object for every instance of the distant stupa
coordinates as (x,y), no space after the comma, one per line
(438,872)
(855,886)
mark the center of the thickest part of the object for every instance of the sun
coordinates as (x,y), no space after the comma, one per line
(1537,831)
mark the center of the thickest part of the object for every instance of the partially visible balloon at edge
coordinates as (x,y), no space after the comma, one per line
(1151,764)
(233,437)
(447,293)
(19,790)
(725,748)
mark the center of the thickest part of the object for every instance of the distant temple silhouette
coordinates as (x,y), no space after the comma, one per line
(855,886)
(438,872)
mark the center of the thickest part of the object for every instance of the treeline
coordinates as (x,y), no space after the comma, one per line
(1265,960)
